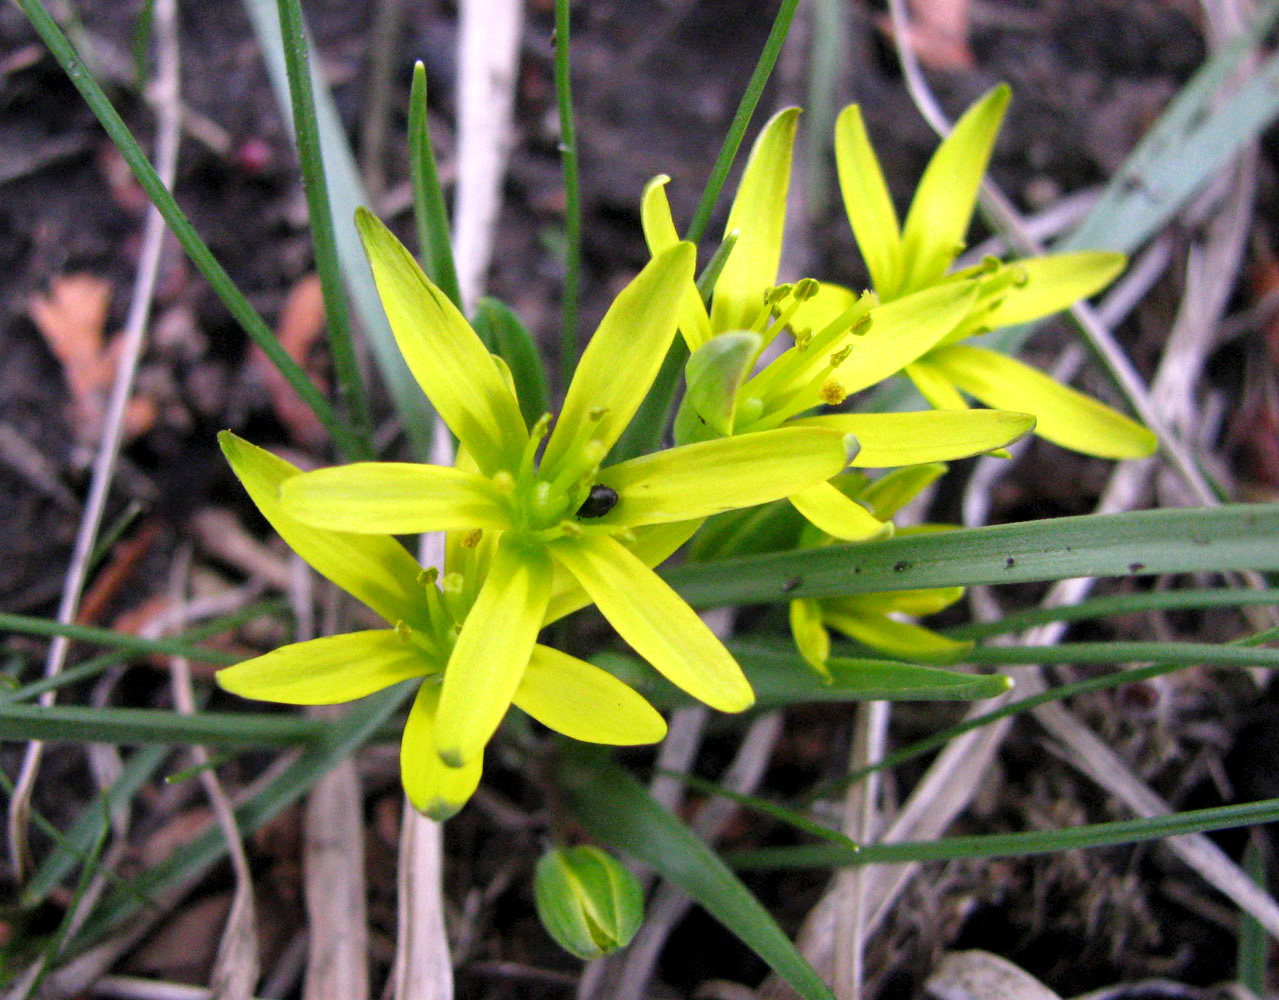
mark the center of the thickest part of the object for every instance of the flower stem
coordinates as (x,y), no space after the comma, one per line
(572,194)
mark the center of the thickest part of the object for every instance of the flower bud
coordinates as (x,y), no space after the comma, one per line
(587,901)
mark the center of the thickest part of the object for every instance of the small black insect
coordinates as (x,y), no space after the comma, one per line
(601,500)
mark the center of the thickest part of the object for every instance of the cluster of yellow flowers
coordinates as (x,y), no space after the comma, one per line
(537,525)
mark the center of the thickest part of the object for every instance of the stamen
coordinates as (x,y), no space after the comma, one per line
(529,455)
(428,576)
(833,392)
(404,630)
(472,538)
(504,482)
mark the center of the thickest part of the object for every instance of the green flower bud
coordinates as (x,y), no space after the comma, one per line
(587,901)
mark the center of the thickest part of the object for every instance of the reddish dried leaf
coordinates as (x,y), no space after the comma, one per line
(301,323)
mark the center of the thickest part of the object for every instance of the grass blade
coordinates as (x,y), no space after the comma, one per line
(78,724)
(434,244)
(1232,537)
(572,194)
(307,134)
(615,808)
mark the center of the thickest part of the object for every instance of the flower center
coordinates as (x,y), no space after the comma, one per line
(544,501)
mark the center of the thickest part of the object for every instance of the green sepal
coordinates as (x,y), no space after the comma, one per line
(715,374)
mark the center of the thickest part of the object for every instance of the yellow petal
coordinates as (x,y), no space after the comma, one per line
(811,638)
(891,439)
(868,203)
(697,480)
(435,789)
(1063,416)
(910,602)
(934,386)
(896,638)
(826,305)
(758,216)
(395,498)
(330,670)
(655,621)
(1054,283)
(942,209)
(660,234)
(446,357)
(653,545)
(492,650)
(374,569)
(902,331)
(584,702)
(622,359)
(828,509)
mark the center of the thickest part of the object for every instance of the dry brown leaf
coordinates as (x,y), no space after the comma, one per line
(72,318)
(938,33)
(300,325)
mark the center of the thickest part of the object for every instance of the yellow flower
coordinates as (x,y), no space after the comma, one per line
(561,516)
(560,691)
(857,343)
(907,260)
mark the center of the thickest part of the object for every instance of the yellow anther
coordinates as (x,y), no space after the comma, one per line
(571,529)
(428,576)
(806,288)
(1020,276)
(840,356)
(862,325)
(832,392)
(452,583)
(472,538)
(597,412)
(404,630)
(802,338)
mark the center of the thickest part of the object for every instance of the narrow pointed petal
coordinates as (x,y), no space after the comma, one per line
(937,390)
(446,357)
(492,651)
(330,670)
(660,234)
(655,621)
(697,480)
(902,331)
(868,203)
(395,498)
(1063,416)
(623,357)
(653,545)
(758,216)
(811,638)
(828,509)
(435,789)
(584,702)
(1054,283)
(889,440)
(942,209)
(374,569)
(903,639)
(910,602)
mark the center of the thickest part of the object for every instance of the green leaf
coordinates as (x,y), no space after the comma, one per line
(618,811)
(1007,845)
(781,677)
(508,338)
(1234,536)
(429,211)
(79,724)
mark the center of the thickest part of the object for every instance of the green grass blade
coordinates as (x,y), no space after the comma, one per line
(29,625)
(306,130)
(434,242)
(781,677)
(572,194)
(617,810)
(745,110)
(1184,653)
(504,335)
(1233,537)
(1121,604)
(74,847)
(347,193)
(244,313)
(1008,845)
(1254,944)
(79,724)
(339,739)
